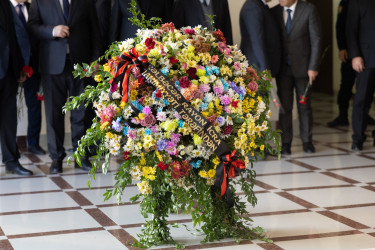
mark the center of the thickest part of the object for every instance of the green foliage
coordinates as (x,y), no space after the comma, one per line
(142,22)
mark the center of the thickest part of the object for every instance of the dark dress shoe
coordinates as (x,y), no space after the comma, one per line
(357,146)
(308,147)
(370,120)
(18,169)
(86,164)
(56,167)
(36,150)
(338,121)
(285,149)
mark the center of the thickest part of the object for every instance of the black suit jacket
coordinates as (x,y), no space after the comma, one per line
(84,40)
(190,13)
(10,54)
(360,30)
(121,28)
(103,9)
(303,44)
(260,36)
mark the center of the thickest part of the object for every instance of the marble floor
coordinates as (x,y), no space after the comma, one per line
(324,200)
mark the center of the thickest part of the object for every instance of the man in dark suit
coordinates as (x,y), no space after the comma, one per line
(103,9)
(196,12)
(32,85)
(347,73)
(361,46)
(121,28)
(68,34)
(11,64)
(302,44)
(260,36)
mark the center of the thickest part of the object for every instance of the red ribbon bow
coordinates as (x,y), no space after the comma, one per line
(123,62)
(235,166)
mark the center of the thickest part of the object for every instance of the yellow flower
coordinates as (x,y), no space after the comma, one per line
(191,48)
(141,116)
(203,174)
(160,158)
(197,139)
(109,135)
(204,79)
(201,72)
(143,160)
(106,67)
(262,147)
(98,78)
(170,125)
(122,105)
(211,173)
(216,161)
(104,125)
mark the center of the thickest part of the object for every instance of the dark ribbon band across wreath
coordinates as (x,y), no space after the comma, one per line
(230,166)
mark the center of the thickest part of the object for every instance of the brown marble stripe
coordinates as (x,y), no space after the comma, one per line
(35,192)
(269,246)
(343,220)
(33,158)
(301,164)
(316,236)
(116,205)
(5,245)
(352,167)
(372,234)
(278,213)
(316,187)
(284,173)
(297,200)
(264,185)
(79,198)
(340,177)
(367,156)
(81,230)
(17,177)
(124,237)
(371,188)
(347,151)
(350,206)
(44,168)
(100,217)
(61,183)
(132,225)
(1,233)
(40,211)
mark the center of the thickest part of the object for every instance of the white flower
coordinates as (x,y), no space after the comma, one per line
(116,95)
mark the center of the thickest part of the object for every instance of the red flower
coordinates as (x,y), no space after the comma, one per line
(189,31)
(234,104)
(253,86)
(302,99)
(28,70)
(173,60)
(219,35)
(184,82)
(40,96)
(158,94)
(162,166)
(126,155)
(150,43)
(227,130)
(192,73)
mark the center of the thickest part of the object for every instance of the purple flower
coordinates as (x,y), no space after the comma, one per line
(171,148)
(154,129)
(175,138)
(135,121)
(146,110)
(225,100)
(116,126)
(161,145)
(204,88)
(113,87)
(220,120)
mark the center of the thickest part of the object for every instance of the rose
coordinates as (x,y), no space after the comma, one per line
(162,166)
(227,130)
(148,121)
(173,60)
(28,70)
(253,86)
(150,43)
(189,31)
(192,73)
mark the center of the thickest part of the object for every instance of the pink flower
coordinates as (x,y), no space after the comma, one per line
(146,110)
(162,52)
(107,114)
(214,59)
(148,121)
(197,94)
(189,31)
(227,51)
(212,120)
(253,86)
(132,133)
(204,88)
(135,72)
(225,100)
(237,66)
(221,46)
(161,116)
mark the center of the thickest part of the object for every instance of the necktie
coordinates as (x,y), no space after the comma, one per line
(288,21)
(21,15)
(205,3)
(66,6)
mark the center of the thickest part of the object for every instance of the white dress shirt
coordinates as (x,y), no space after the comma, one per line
(293,8)
(24,9)
(62,5)
(207,1)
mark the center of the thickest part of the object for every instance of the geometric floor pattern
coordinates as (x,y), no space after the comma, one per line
(324,200)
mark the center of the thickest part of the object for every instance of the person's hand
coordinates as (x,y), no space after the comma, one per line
(343,55)
(312,75)
(22,78)
(358,64)
(61,31)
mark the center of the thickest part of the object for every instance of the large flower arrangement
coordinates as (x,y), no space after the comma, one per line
(172,166)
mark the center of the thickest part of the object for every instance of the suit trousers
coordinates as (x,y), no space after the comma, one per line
(286,83)
(362,102)
(57,89)
(34,116)
(8,119)
(348,76)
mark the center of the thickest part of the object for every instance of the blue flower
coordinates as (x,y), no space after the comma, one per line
(125,130)
(162,144)
(204,106)
(148,131)
(196,164)
(165,71)
(180,123)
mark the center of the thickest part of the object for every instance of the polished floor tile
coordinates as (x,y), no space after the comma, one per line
(320,201)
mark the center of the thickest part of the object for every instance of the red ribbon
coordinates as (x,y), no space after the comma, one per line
(235,166)
(124,60)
